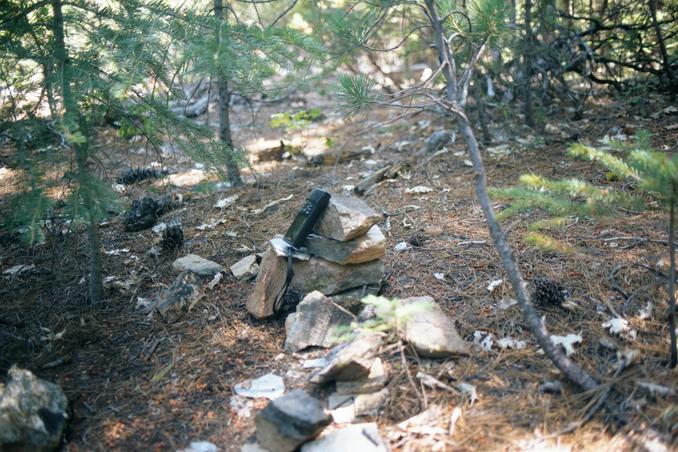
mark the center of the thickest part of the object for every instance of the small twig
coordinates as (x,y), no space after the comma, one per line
(403,360)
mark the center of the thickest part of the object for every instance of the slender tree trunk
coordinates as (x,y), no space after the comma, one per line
(573,372)
(528,43)
(666,61)
(672,279)
(73,123)
(224,98)
(538,329)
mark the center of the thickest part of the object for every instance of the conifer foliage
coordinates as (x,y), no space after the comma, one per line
(653,177)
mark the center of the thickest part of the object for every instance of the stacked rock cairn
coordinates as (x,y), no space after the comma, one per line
(344,264)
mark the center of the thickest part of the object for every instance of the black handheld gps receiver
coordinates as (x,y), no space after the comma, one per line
(310,213)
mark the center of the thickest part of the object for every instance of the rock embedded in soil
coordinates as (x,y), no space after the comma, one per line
(354,438)
(330,278)
(431,332)
(198,265)
(346,218)
(365,248)
(350,361)
(290,421)
(180,297)
(246,268)
(314,323)
(32,412)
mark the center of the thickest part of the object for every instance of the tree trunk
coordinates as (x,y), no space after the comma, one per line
(528,42)
(666,61)
(672,279)
(573,372)
(224,99)
(534,323)
(73,122)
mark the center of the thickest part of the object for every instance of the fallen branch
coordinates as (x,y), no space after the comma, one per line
(390,171)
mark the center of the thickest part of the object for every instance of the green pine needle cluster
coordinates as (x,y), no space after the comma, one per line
(651,175)
(355,93)
(391,314)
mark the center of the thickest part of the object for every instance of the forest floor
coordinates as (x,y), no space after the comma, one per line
(137,383)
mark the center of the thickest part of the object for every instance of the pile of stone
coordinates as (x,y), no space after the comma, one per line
(342,261)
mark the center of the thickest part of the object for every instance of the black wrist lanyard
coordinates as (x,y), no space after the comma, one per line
(280,298)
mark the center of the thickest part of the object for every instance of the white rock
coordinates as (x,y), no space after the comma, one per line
(246,268)
(198,265)
(617,325)
(354,438)
(567,342)
(200,446)
(402,246)
(226,202)
(418,190)
(494,284)
(269,386)
(509,342)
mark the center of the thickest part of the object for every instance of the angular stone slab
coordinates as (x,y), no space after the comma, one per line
(315,322)
(330,278)
(246,268)
(271,279)
(354,438)
(373,382)
(432,333)
(32,412)
(289,421)
(198,265)
(350,361)
(365,248)
(346,218)
(314,274)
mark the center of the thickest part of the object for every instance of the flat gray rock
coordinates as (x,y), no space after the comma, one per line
(365,248)
(439,139)
(289,421)
(346,218)
(350,361)
(432,333)
(314,323)
(330,278)
(246,268)
(354,438)
(198,265)
(32,412)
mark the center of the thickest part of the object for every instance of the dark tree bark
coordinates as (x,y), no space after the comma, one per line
(73,121)
(672,279)
(528,70)
(666,61)
(224,99)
